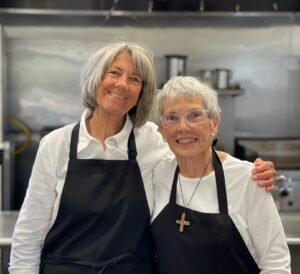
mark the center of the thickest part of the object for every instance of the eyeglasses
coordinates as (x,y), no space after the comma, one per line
(192,117)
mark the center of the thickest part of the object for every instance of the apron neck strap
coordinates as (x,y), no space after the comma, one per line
(131,146)
(174,186)
(220,181)
(74,142)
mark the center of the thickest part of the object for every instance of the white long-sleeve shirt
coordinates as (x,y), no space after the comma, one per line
(250,207)
(41,203)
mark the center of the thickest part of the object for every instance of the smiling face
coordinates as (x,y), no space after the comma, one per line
(120,87)
(188,140)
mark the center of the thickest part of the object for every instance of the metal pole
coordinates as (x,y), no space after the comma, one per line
(2,80)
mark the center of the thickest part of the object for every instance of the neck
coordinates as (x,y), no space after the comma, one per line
(196,166)
(102,125)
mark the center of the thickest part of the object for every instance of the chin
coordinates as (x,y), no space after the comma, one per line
(185,152)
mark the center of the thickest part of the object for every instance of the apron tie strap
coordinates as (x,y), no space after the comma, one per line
(99,267)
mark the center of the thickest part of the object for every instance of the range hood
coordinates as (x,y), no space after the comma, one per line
(77,4)
(160,5)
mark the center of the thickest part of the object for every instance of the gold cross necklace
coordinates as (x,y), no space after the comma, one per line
(183,222)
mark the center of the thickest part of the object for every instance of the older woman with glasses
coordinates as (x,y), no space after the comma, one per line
(209,217)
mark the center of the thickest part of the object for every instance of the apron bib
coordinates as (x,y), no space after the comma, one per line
(102,225)
(210,245)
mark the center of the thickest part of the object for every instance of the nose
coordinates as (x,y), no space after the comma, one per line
(183,124)
(122,82)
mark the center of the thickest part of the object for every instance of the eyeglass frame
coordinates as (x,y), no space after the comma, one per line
(189,123)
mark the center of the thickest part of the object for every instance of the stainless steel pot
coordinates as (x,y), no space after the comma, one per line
(208,77)
(223,77)
(176,65)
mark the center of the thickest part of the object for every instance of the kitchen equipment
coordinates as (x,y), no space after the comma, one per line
(287,190)
(176,65)
(223,77)
(285,154)
(208,77)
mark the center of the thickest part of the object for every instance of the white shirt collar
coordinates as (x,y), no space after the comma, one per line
(120,139)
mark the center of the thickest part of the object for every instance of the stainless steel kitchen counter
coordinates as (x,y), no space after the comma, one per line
(7,224)
(293,240)
(290,220)
(291,225)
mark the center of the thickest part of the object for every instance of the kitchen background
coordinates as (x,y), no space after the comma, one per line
(44,46)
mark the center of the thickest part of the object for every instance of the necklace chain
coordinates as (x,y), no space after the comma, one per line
(185,206)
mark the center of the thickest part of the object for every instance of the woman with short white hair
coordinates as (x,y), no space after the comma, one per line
(209,217)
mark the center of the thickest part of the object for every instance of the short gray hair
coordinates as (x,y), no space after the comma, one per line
(186,86)
(94,69)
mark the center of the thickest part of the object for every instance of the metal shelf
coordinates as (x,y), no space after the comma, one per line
(230,92)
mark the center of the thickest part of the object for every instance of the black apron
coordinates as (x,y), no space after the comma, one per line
(210,245)
(102,224)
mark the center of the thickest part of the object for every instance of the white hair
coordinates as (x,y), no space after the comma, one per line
(100,61)
(186,86)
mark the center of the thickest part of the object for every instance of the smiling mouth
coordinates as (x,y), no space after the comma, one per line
(186,140)
(118,95)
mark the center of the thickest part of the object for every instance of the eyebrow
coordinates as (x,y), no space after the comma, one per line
(114,67)
(192,109)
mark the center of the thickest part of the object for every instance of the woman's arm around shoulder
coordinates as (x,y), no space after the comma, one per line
(264,173)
